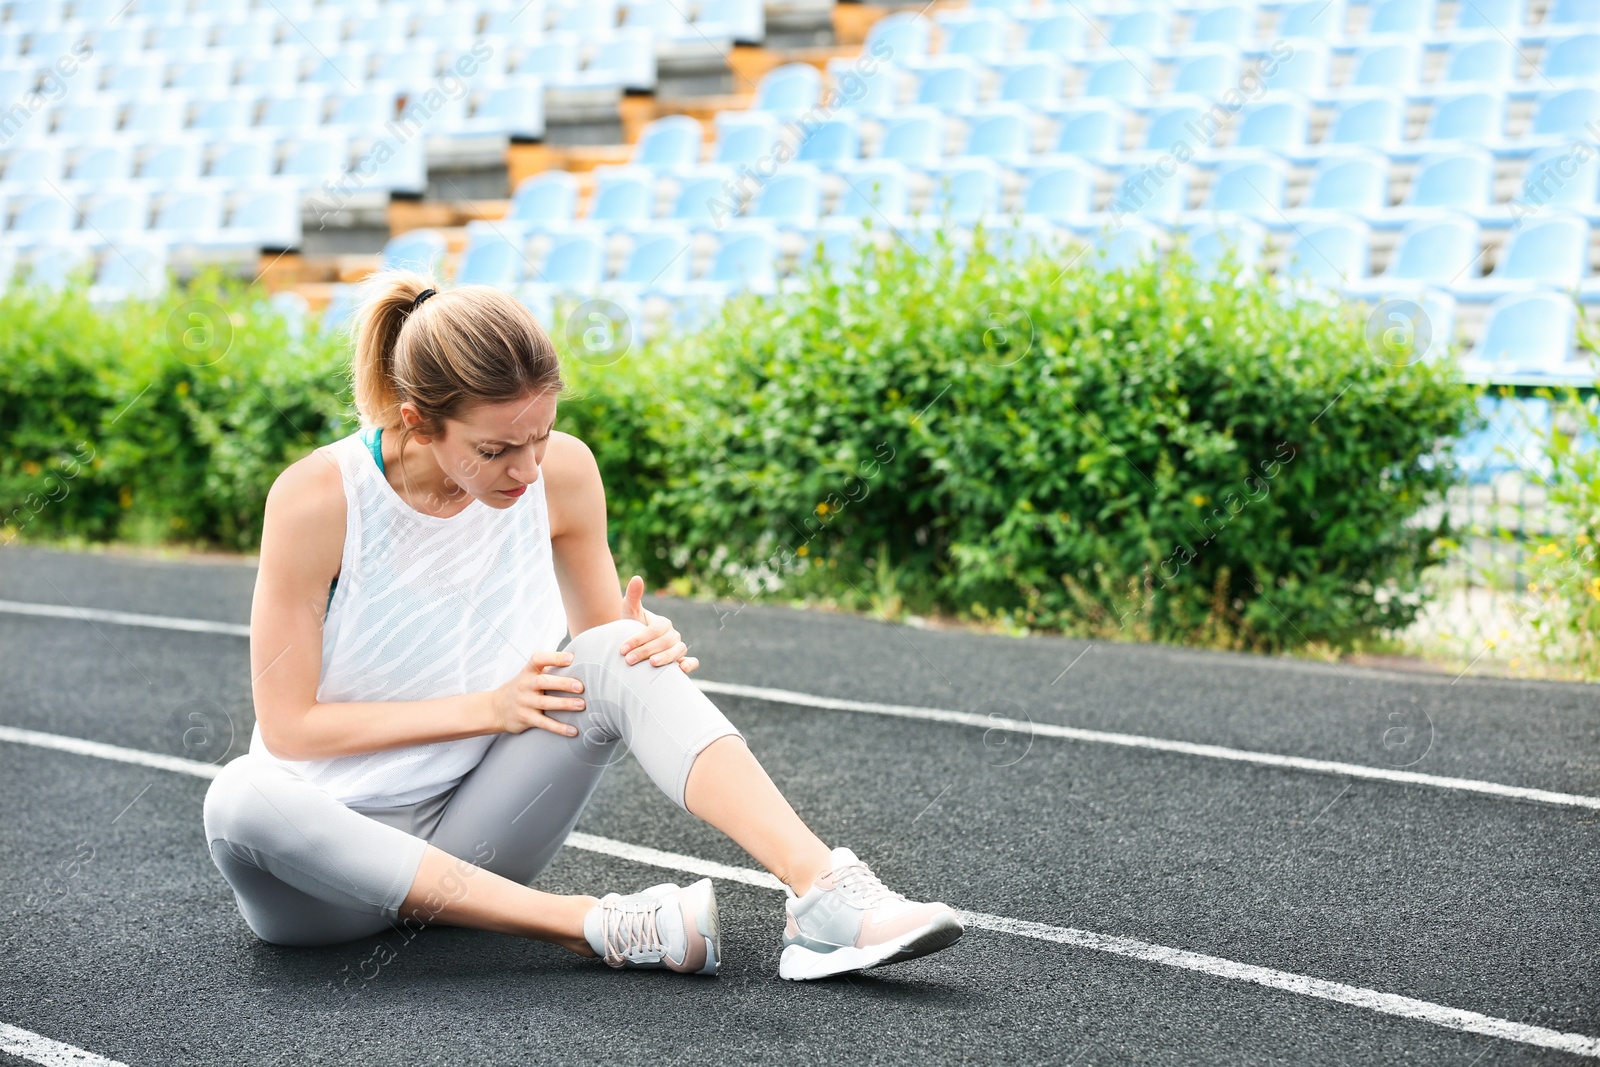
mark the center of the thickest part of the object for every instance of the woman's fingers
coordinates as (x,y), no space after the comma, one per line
(668,641)
(688,663)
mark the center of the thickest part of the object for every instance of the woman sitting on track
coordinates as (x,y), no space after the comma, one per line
(416,730)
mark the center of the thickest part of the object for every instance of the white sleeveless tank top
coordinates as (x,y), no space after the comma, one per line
(427,607)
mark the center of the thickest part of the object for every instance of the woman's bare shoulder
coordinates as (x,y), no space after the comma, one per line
(307,503)
(572,483)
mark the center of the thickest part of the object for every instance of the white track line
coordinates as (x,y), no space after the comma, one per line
(124,618)
(957,718)
(1337,992)
(42,1050)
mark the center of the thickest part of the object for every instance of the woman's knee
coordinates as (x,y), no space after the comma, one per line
(598,642)
(246,802)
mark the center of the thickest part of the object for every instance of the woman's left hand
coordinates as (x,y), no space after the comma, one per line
(658,640)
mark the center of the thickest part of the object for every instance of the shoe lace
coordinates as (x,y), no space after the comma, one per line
(857,880)
(630,930)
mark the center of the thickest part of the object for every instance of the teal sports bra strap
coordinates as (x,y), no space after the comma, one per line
(374,439)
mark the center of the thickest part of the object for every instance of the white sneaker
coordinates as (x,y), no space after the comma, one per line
(850,921)
(665,927)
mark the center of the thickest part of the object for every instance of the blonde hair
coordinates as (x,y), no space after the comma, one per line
(460,346)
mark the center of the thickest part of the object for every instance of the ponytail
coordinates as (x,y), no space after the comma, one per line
(386,300)
(471,344)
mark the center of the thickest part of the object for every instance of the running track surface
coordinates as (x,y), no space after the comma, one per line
(1127,903)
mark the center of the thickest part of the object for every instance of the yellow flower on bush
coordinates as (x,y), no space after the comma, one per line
(803,551)
(30,467)
(125,498)
(1549,548)
(822,508)
(183,389)
(1199,500)
(1594,587)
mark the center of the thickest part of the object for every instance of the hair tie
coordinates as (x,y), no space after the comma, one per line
(421,297)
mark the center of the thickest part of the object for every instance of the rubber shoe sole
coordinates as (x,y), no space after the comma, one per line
(801,964)
(701,900)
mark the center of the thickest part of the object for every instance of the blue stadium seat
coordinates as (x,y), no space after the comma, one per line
(1491,61)
(669,143)
(1573,13)
(1253,188)
(1211,243)
(292,111)
(1550,251)
(223,115)
(1209,71)
(574,263)
(1353,182)
(1126,77)
(1305,70)
(310,161)
(791,199)
(1146,28)
(950,83)
(1092,132)
(1277,124)
(1225,24)
(707,196)
(1145,191)
(963,191)
(1030,79)
(914,136)
(879,190)
(1437,251)
(874,92)
(1504,16)
(339,313)
(1002,132)
(53,266)
(268,218)
(1329,254)
(1562,179)
(1391,65)
(1061,193)
(1413,18)
(900,35)
(744,138)
(202,78)
(171,164)
(1574,58)
(422,251)
(659,260)
(131,270)
(1059,33)
(628,60)
(832,142)
(117,213)
(742,20)
(1461,179)
(1374,119)
(86,121)
(1125,246)
(1526,335)
(514,110)
(1474,117)
(1175,124)
(1323,19)
(623,195)
(493,255)
(103,165)
(164,116)
(745,261)
(242,161)
(973,33)
(547,199)
(1565,112)
(132,79)
(42,216)
(188,214)
(791,89)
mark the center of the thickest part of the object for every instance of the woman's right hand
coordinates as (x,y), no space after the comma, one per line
(521,703)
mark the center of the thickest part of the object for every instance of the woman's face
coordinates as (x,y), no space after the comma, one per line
(493,450)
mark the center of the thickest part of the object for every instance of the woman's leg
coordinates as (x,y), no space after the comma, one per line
(305,869)
(516,808)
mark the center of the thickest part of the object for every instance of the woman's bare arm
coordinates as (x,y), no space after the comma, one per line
(302,540)
(584,568)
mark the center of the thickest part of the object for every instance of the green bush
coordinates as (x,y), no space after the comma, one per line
(157,421)
(1137,452)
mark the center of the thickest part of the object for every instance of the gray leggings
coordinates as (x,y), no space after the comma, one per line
(309,870)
